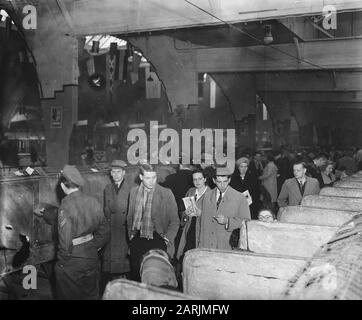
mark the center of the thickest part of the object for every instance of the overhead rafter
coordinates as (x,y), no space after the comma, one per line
(123,17)
(308,81)
(337,105)
(65,13)
(325,32)
(321,54)
(318,96)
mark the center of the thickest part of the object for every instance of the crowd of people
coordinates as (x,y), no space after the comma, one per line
(199,206)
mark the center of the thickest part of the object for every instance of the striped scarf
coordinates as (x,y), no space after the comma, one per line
(142,218)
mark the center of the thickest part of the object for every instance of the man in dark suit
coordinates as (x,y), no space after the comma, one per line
(294,189)
(152,219)
(179,183)
(314,170)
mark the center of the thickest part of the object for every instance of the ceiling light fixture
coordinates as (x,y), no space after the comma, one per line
(268,37)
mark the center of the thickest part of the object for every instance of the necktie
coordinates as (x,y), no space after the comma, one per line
(301,187)
(218,201)
(195,196)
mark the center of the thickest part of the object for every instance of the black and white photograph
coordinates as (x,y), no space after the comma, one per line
(194,151)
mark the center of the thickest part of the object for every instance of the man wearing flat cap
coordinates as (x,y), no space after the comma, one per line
(223,210)
(115,260)
(82,231)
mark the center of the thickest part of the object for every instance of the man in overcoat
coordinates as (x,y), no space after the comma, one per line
(223,210)
(152,219)
(115,259)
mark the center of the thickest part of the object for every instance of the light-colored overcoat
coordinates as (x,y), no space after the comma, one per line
(234,206)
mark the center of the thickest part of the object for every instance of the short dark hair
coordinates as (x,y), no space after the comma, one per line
(198,170)
(320,156)
(299,161)
(147,168)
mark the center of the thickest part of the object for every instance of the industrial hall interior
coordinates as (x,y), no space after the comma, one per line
(180,150)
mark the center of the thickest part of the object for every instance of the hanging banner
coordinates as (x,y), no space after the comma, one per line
(110,67)
(153,85)
(136,62)
(120,63)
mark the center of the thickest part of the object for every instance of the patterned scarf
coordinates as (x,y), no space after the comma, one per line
(142,218)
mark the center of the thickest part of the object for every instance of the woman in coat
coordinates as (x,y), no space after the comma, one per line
(191,230)
(327,174)
(244,179)
(269,180)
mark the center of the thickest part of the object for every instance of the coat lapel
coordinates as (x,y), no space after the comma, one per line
(307,183)
(213,198)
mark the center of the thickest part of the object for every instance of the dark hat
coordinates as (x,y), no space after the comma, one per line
(116,164)
(72,174)
(223,171)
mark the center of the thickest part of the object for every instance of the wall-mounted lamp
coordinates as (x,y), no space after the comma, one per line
(268,37)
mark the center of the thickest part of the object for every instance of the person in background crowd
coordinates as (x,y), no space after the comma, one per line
(191,218)
(359,159)
(294,189)
(347,162)
(179,183)
(243,180)
(152,219)
(327,174)
(223,210)
(82,230)
(256,164)
(115,260)
(208,169)
(284,168)
(112,153)
(314,169)
(341,173)
(269,180)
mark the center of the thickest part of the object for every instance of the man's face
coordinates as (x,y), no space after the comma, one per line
(117,175)
(149,179)
(322,162)
(299,171)
(222,182)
